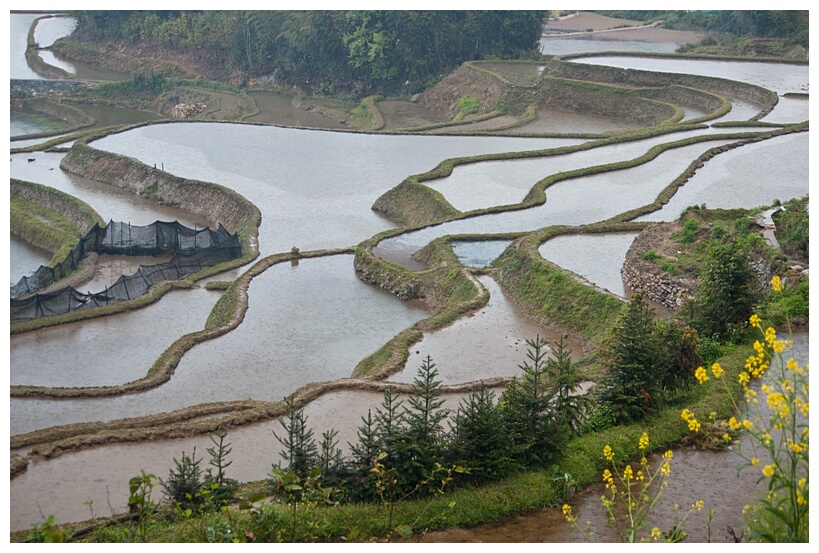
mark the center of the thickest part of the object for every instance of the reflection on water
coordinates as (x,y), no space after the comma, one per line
(478,254)
(49,29)
(400,114)
(490,183)
(25,258)
(50,59)
(20,25)
(712,476)
(746,177)
(555,46)
(557,121)
(596,257)
(27,123)
(310,204)
(779,77)
(488,343)
(309,323)
(110,202)
(572,202)
(100,475)
(109,350)
(105,116)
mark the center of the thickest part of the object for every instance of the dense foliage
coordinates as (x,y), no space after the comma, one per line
(756,23)
(326,51)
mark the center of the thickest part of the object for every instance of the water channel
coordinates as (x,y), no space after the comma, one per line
(313,321)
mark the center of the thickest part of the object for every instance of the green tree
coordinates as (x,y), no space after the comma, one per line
(526,407)
(424,436)
(635,381)
(570,407)
(480,439)
(726,298)
(300,449)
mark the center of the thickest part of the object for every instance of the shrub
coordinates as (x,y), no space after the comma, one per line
(650,255)
(184,484)
(468,105)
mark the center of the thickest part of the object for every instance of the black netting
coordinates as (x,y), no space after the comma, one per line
(192,250)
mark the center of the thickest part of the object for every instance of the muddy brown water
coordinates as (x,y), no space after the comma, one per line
(487,343)
(400,114)
(278,109)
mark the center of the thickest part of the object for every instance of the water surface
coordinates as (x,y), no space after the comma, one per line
(487,343)
(306,323)
(109,350)
(305,203)
(596,257)
(747,177)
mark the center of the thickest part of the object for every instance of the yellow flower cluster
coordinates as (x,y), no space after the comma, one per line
(643,443)
(689,417)
(701,375)
(665,469)
(608,453)
(776,283)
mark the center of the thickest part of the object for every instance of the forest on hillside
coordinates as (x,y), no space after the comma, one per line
(328,51)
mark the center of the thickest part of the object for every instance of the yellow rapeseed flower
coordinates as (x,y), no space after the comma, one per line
(716,370)
(744,378)
(768,471)
(643,443)
(770,336)
(755,462)
(701,375)
(608,453)
(699,505)
(655,533)
(756,321)
(776,283)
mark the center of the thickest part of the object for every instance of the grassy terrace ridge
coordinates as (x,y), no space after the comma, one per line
(209,200)
(34,60)
(74,117)
(411,203)
(753,94)
(49,219)
(522,271)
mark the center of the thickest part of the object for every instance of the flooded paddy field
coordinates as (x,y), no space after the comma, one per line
(314,320)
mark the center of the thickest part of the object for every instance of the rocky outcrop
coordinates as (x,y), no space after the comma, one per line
(643,275)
